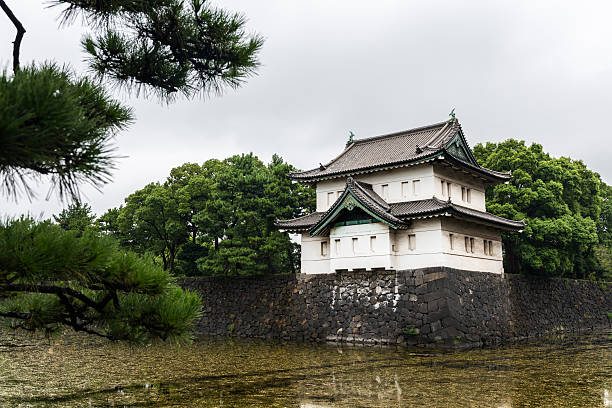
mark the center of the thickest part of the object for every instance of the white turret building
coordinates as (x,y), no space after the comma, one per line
(405,200)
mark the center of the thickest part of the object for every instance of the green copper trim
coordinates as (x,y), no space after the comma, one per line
(456,146)
(349,202)
(355,222)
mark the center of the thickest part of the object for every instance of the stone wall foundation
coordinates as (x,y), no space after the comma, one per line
(420,307)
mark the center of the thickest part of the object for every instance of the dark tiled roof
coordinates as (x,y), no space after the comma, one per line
(366,193)
(366,196)
(369,198)
(433,206)
(420,207)
(392,150)
(480,169)
(300,223)
(398,213)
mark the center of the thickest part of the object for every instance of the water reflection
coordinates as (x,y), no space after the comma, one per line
(82,372)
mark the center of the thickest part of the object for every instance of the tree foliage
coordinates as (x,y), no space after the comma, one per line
(166,46)
(55,124)
(77,217)
(150,221)
(58,125)
(51,278)
(563,203)
(216,218)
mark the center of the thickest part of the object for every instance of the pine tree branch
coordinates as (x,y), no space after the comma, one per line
(60,291)
(87,330)
(20,32)
(15,315)
(70,320)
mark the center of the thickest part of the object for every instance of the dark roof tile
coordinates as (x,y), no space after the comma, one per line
(383,150)
(399,213)
(393,149)
(300,223)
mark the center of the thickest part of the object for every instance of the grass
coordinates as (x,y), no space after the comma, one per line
(412,331)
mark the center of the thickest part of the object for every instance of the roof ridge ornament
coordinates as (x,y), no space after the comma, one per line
(351,136)
(452,115)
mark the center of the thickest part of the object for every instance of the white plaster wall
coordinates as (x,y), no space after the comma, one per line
(478,260)
(428,246)
(391,251)
(362,257)
(429,185)
(329,190)
(334,187)
(312,261)
(458,180)
(395,177)
(433,246)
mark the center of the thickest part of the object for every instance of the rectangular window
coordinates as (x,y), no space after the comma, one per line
(416,187)
(373,243)
(443,185)
(354,245)
(323,248)
(393,248)
(467,244)
(486,247)
(472,245)
(385,191)
(451,239)
(337,246)
(405,187)
(463,194)
(469,195)
(331,197)
(491,248)
(411,242)
(448,189)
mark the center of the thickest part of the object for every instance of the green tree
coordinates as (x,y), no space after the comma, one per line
(247,198)
(108,223)
(77,217)
(218,218)
(166,46)
(603,252)
(191,186)
(561,202)
(58,125)
(151,222)
(50,279)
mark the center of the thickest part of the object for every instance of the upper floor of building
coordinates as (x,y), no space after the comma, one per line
(417,164)
(419,182)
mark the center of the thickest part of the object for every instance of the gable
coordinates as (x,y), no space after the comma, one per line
(348,202)
(353,217)
(359,204)
(457,146)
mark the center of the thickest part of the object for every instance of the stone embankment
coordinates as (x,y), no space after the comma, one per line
(431,306)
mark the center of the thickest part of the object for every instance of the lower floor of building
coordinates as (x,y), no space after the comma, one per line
(428,242)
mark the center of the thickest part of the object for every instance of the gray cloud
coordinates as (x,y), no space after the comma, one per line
(538,71)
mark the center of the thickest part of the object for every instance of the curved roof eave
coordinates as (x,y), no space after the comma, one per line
(359,197)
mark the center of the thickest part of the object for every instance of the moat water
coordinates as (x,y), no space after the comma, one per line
(77,371)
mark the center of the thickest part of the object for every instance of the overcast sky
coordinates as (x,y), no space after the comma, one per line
(538,71)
